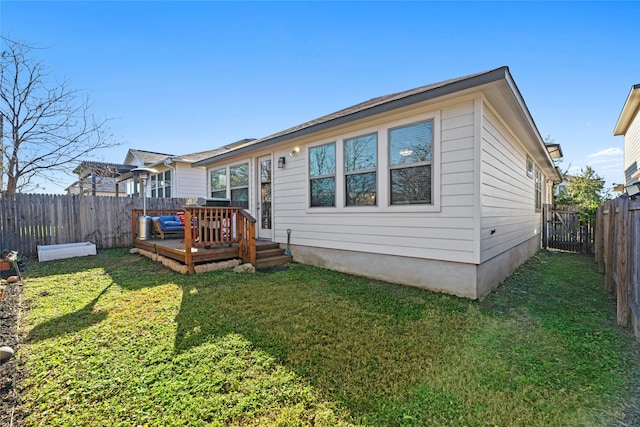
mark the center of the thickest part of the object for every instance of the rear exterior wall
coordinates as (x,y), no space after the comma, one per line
(444,231)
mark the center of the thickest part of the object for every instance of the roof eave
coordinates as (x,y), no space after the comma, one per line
(628,112)
(457,86)
(544,156)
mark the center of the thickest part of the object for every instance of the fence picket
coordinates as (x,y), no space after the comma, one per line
(621,256)
(30,220)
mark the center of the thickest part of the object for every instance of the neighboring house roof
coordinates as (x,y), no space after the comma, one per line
(629,111)
(192,157)
(102,169)
(147,157)
(151,159)
(516,107)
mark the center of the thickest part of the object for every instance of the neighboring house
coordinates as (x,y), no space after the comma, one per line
(440,187)
(98,179)
(173,175)
(102,186)
(629,126)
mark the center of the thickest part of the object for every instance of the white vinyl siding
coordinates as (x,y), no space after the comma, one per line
(189,181)
(442,231)
(508,213)
(632,149)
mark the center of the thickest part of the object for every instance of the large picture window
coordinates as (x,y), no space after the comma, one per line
(239,185)
(219,183)
(161,184)
(410,164)
(322,175)
(360,169)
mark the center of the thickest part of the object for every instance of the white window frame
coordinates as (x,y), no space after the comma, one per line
(226,182)
(333,175)
(537,188)
(240,187)
(383,177)
(228,188)
(373,170)
(411,165)
(155,190)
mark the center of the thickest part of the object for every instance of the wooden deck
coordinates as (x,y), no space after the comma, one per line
(207,245)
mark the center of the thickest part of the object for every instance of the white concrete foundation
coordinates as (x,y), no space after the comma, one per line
(461,279)
(442,276)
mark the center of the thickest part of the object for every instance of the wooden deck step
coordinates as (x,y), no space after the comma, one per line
(271,254)
(268,253)
(272,261)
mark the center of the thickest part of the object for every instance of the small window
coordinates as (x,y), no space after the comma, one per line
(154,185)
(219,183)
(239,184)
(167,183)
(322,175)
(161,184)
(538,189)
(529,167)
(360,165)
(410,163)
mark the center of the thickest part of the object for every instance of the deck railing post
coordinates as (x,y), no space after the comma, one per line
(188,259)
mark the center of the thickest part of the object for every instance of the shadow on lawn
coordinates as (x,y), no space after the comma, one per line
(122,269)
(361,342)
(71,322)
(369,345)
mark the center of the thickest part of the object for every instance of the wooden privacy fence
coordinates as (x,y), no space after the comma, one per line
(617,253)
(567,228)
(29,220)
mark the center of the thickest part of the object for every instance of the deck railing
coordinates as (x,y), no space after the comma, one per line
(211,227)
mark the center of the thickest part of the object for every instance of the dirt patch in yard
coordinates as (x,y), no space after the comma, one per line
(9,369)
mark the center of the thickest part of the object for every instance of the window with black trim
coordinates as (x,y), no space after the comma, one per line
(322,175)
(410,164)
(360,170)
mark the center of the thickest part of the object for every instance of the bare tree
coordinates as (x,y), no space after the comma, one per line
(46,126)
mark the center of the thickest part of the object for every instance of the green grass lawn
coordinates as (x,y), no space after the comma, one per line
(119,340)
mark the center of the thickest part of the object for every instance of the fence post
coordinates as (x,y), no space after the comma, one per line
(545,225)
(634,260)
(622,279)
(599,238)
(611,247)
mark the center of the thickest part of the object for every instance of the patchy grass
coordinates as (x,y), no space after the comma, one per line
(118,340)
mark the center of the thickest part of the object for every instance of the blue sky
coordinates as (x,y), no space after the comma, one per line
(181,77)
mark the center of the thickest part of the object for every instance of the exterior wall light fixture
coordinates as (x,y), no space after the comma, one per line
(281,162)
(633,189)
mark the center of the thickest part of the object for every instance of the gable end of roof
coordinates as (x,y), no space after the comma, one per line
(629,111)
